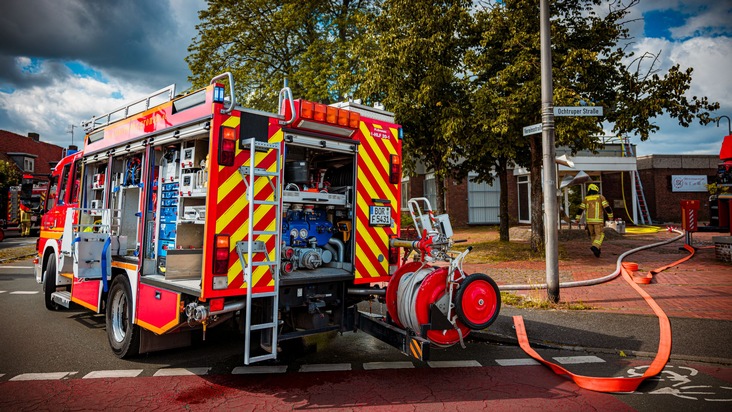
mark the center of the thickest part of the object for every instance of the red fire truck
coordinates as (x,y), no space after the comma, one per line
(31,195)
(184,212)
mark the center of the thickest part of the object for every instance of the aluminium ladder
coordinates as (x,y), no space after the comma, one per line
(640,197)
(252,246)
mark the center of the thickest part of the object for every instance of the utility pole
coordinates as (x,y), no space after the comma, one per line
(71,130)
(547,142)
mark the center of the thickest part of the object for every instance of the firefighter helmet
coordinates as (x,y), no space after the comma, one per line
(593,187)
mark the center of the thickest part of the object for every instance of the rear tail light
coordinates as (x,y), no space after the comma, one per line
(393,255)
(227,146)
(395,169)
(221,254)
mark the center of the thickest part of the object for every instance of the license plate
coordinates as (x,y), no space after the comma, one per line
(379,215)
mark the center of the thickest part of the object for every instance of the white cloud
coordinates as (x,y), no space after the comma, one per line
(51,109)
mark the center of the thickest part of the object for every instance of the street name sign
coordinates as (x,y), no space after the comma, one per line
(578,111)
(533,129)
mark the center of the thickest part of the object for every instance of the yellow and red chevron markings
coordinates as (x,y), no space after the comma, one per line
(372,243)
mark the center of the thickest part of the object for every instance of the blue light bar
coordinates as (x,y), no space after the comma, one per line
(218,96)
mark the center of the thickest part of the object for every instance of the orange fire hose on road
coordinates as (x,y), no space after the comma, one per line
(616,384)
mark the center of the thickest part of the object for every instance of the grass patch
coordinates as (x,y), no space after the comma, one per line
(14,253)
(497,251)
(522,302)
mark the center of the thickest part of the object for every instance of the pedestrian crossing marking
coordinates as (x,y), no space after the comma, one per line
(253,370)
(52,376)
(517,362)
(326,367)
(573,360)
(455,364)
(182,372)
(387,365)
(129,373)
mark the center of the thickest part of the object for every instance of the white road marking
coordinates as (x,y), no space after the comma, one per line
(40,376)
(454,364)
(571,360)
(2,291)
(387,365)
(129,373)
(252,370)
(326,367)
(182,372)
(24,292)
(517,362)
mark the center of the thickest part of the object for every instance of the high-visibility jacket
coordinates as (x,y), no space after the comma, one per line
(593,205)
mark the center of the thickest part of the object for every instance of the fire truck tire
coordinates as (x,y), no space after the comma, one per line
(478,301)
(124,336)
(49,284)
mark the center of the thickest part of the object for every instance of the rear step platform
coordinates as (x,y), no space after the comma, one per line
(62,298)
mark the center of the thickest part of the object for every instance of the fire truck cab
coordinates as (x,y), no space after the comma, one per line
(183,212)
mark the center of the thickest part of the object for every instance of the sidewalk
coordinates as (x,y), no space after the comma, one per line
(698,288)
(696,295)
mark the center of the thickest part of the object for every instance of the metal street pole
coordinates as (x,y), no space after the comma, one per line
(547,143)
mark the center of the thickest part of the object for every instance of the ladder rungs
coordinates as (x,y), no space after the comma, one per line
(261,326)
(264,295)
(265,232)
(258,171)
(263,263)
(263,357)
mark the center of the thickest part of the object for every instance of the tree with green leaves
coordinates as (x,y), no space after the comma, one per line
(9,175)
(414,65)
(589,66)
(262,42)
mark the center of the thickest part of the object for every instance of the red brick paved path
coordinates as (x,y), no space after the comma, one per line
(698,288)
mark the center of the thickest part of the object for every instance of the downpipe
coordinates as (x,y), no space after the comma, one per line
(597,281)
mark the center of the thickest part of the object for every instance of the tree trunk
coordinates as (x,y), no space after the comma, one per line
(440,207)
(537,197)
(503,209)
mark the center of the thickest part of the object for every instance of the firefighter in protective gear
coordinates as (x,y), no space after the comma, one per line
(25,220)
(593,206)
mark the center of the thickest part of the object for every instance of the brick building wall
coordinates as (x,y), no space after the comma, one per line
(457,198)
(655,173)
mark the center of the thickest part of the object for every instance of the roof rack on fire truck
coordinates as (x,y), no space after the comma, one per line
(163,95)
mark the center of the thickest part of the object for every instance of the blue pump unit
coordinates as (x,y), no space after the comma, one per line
(299,227)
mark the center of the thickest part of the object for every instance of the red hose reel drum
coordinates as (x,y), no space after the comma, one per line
(477,301)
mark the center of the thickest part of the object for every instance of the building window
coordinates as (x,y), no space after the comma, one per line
(524,199)
(484,202)
(29,165)
(405,194)
(430,190)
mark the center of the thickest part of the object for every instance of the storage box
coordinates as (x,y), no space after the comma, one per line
(184,263)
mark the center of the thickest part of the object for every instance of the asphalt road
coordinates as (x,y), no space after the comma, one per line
(71,346)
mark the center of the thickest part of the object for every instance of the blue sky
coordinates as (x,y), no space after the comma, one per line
(80,58)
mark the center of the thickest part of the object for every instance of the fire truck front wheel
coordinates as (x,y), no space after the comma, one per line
(124,336)
(49,284)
